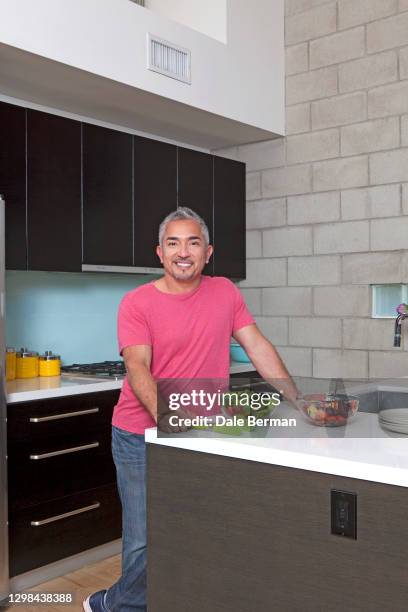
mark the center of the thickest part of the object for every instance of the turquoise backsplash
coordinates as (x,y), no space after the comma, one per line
(74,315)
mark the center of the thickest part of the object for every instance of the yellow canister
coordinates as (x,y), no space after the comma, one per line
(10,363)
(50,365)
(26,364)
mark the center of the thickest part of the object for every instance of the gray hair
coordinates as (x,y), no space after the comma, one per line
(183,213)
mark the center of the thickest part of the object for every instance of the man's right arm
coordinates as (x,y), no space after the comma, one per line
(137,360)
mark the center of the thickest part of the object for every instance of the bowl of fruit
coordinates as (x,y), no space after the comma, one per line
(329,410)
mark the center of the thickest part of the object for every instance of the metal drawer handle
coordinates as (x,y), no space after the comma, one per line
(65,451)
(65,415)
(59,517)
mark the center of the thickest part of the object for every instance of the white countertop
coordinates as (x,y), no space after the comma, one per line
(43,387)
(360,450)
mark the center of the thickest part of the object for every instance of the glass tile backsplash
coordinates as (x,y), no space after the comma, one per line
(73,315)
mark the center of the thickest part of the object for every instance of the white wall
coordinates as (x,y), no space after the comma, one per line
(242,80)
(208,17)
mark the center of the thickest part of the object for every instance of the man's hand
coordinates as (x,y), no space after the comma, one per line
(178,426)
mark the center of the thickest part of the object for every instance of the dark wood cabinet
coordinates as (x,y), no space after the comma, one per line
(62,483)
(229,218)
(13,182)
(155,195)
(238,536)
(107,196)
(53,193)
(195,187)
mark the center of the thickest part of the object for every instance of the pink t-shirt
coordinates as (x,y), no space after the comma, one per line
(189,334)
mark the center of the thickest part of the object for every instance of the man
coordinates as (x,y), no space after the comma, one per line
(177,327)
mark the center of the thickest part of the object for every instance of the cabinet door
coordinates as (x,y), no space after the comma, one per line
(13,182)
(155,195)
(195,187)
(229,218)
(53,192)
(107,197)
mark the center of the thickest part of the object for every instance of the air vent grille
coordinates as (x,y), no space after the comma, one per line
(140,2)
(168,59)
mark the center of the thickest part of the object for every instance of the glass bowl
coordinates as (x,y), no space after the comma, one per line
(326,410)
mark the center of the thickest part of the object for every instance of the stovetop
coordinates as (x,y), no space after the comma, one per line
(105,369)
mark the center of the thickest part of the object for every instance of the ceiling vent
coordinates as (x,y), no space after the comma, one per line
(141,2)
(168,59)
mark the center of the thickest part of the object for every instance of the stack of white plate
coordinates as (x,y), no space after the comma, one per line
(394,419)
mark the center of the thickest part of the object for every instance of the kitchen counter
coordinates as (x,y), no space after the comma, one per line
(23,390)
(361,450)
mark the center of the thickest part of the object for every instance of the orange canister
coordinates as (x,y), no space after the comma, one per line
(26,364)
(10,363)
(49,364)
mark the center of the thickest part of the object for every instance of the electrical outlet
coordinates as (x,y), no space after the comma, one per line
(344,514)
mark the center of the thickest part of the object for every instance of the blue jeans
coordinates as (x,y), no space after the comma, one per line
(128,594)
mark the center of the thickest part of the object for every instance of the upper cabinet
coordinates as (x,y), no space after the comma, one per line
(13,182)
(107,196)
(234,93)
(155,195)
(195,188)
(53,192)
(229,218)
(84,197)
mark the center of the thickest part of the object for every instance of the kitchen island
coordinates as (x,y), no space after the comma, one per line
(242,524)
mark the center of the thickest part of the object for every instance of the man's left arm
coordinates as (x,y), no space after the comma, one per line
(267,360)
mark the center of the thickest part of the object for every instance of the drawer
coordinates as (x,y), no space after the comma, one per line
(47,470)
(48,532)
(60,417)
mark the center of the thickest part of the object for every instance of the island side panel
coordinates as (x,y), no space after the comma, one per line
(231,535)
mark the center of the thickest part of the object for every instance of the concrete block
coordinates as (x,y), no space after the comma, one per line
(383,201)
(404,131)
(299,6)
(253,185)
(313,146)
(287,301)
(332,363)
(252,299)
(345,301)
(265,273)
(405,199)
(403,5)
(404,278)
(368,72)
(321,270)
(297,59)
(387,33)
(311,24)
(298,119)
(372,268)
(297,360)
(314,331)
(266,213)
(348,237)
(389,234)
(286,181)
(388,100)
(274,328)
(261,155)
(314,208)
(339,110)
(228,152)
(404,63)
(253,244)
(340,173)
(389,167)
(388,364)
(337,48)
(370,136)
(311,85)
(352,12)
(369,334)
(285,241)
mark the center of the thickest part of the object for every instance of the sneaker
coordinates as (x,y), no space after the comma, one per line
(95,602)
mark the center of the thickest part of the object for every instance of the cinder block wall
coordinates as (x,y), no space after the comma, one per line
(327,206)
